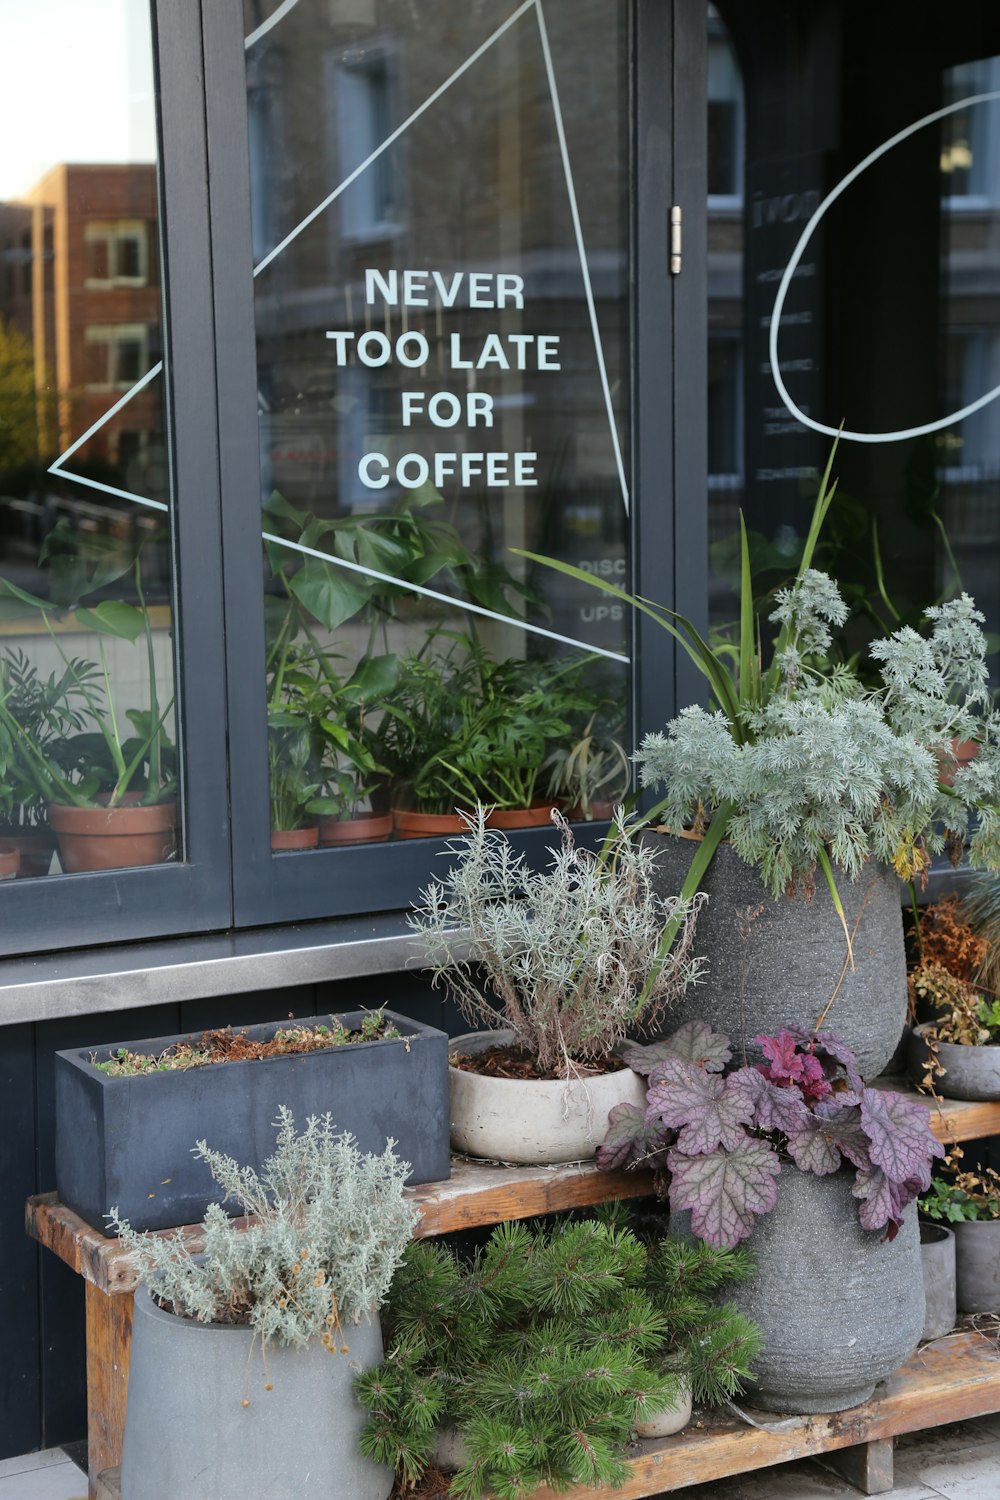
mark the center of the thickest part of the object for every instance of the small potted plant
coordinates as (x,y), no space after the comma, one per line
(567,961)
(590,776)
(43,707)
(818,1173)
(243,1359)
(496,1353)
(110,795)
(970,1203)
(352,774)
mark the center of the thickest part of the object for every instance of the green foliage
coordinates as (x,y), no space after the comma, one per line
(545,1347)
(330,1226)
(971,1195)
(967,1017)
(222,1046)
(571,954)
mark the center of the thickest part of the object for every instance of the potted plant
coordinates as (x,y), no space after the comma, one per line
(591,775)
(125,1112)
(802,780)
(970,1203)
(110,796)
(243,1359)
(497,1351)
(955,1052)
(568,961)
(44,709)
(352,775)
(818,1173)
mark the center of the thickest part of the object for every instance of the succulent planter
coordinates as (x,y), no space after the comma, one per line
(840,1308)
(969,1072)
(188,1432)
(668,1421)
(127,1142)
(114,838)
(284,839)
(937,1260)
(775,962)
(977,1265)
(371,828)
(532,1121)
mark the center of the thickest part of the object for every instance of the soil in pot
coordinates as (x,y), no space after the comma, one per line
(370,828)
(969,1072)
(283,839)
(840,1308)
(418,825)
(937,1259)
(771,962)
(516,1117)
(114,838)
(188,1431)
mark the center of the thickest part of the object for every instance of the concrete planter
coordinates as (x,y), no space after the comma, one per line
(127,1141)
(188,1433)
(772,963)
(937,1259)
(532,1121)
(840,1309)
(969,1072)
(977,1265)
(668,1421)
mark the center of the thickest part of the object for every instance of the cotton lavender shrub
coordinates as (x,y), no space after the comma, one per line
(722,1136)
(572,957)
(330,1228)
(807,765)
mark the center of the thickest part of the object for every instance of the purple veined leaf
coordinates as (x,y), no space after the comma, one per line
(842,1124)
(694,1042)
(898,1130)
(773,1107)
(829,1044)
(881,1201)
(813,1149)
(630,1142)
(780,1051)
(788,1063)
(724,1190)
(698,1104)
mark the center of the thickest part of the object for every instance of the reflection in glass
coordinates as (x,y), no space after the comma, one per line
(88,772)
(442,379)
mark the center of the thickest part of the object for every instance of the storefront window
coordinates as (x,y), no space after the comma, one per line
(439,202)
(88,719)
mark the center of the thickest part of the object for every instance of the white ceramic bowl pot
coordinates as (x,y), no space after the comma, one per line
(532,1121)
(189,1434)
(670,1420)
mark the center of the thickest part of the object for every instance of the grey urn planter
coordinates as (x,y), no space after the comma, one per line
(774,963)
(840,1309)
(937,1258)
(188,1433)
(126,1142)
(969,1072)
(977,1265)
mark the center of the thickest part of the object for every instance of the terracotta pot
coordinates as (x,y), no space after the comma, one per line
(963,751)
(538,815)
(293,838)
(114,838)
(369,828)
(533,1121)
(418,825)
(10,859)
(600,812)
(37,849)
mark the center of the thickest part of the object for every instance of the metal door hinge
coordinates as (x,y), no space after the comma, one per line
(675,241)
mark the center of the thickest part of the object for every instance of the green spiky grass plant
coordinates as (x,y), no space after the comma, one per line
(545,1347)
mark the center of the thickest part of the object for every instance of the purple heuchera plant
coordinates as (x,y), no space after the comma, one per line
(723,1134)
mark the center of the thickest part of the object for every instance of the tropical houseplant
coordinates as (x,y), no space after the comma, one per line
(969,1202)
(590,775)
(802,779)
(817,1172)
(566,961)
(43,707)
(243,1358)
(110,794)
(500,1351)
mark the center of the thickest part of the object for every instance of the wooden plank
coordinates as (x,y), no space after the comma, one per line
(868,1466)
(108,1486)
(949,1381)
(109,1347)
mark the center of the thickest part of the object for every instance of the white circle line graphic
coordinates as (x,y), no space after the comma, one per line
(797,253)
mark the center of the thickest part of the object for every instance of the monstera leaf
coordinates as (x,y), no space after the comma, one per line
(899,1132)
(630,1142)
(701,1105)
(724,1190)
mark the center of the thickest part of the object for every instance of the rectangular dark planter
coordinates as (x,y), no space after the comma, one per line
(126,1142)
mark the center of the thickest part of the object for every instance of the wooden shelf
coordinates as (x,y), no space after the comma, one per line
(951,1380)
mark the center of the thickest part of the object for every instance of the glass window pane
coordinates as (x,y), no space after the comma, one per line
(439,201)
(88,764)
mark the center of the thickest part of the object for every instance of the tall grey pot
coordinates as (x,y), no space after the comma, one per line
(977,1264)
(187,1432)
(937,1256)
(840,1309)
(772,963)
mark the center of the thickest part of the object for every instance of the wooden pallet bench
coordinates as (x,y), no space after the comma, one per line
(476,1194)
